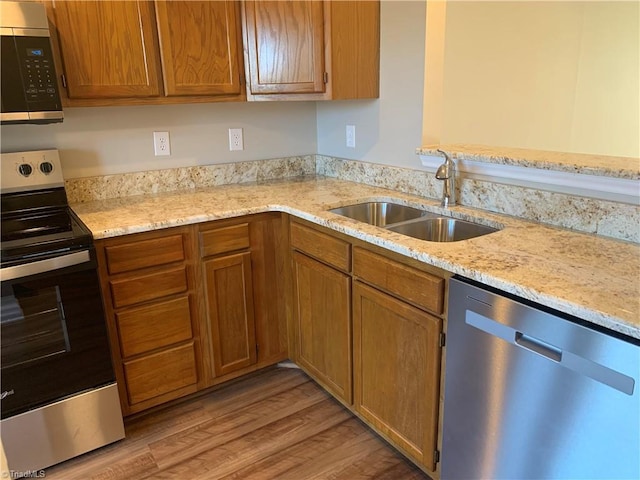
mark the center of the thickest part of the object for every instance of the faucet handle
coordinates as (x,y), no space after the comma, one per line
(443,172)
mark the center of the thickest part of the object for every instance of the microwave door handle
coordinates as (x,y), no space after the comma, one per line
(43,266)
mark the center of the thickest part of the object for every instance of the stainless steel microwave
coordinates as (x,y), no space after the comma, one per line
(29,88)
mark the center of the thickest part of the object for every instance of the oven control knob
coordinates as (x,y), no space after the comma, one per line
(25,169)
(46,167)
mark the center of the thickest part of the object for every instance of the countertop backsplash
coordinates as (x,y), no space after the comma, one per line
(589,215)
(87,189)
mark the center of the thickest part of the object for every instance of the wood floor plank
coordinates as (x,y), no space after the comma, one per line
(260,443)
(281,463)
(374,464)
(104,465)
(135,467)
(336,459)
(404,470)
(188,443)
(252,390)
(277,425)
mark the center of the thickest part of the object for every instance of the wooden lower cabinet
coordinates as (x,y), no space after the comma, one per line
(322,299)
(367,326)
(229,299)
(149,293)
(190,307)
(396,356)
(242,295)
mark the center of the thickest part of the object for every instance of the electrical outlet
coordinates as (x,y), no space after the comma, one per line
(351,136)
(235,139)
(161,145)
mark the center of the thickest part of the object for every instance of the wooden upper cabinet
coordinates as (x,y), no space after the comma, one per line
(109,49)
(182,51)
(285,45)
(145,52)
(312,50)
(355,49)
(199,44)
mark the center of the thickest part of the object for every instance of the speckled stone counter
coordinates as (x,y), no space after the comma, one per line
(598,165)
(590,277)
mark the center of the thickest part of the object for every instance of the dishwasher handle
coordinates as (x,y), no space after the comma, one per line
(538,346)
(581,365)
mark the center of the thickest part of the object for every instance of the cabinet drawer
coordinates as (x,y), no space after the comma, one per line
(226,239)
(148,287)
(160,373)
(144,253)
(155,326)
(419,288)
(328,249)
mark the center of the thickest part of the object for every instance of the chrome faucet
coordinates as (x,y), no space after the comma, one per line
(447,172)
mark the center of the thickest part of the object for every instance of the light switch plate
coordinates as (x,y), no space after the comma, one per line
(351,136)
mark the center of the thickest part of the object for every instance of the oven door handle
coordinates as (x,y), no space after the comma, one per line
(43,266)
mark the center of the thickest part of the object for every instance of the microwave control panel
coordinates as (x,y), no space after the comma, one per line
(37,69)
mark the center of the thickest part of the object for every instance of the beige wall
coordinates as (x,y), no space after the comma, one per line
(107,140)
(559,76)
(389,129)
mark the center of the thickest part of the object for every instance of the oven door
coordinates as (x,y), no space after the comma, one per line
(54,341)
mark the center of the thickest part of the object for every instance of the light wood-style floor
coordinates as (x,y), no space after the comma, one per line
(276,425)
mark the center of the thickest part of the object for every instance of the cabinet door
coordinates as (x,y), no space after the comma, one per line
(199,47)
(323,315)
(109,49)
(229,297)
(397,370)
(285,46)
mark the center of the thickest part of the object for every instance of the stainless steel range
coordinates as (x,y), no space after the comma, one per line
(59,396)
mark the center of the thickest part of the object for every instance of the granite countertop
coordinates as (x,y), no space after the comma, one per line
(593,278)
(599,165)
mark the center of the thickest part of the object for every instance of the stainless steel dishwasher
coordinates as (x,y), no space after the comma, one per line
(533,394)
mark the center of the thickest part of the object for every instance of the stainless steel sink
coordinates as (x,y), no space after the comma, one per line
(442,229)
(379,214)
(413,222)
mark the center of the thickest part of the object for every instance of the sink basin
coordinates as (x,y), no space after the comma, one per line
(442,229)
(413,222)
(379,214)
